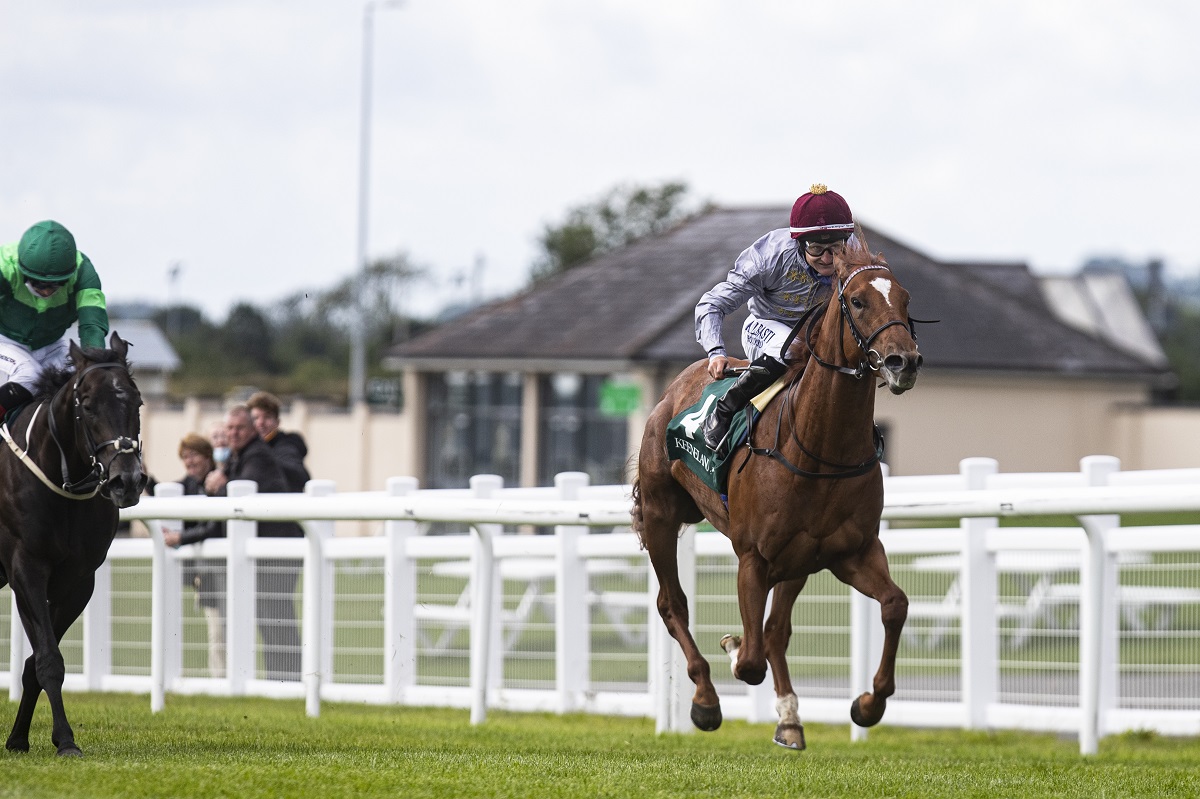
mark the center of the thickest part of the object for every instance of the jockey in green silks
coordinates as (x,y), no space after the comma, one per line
(46,285)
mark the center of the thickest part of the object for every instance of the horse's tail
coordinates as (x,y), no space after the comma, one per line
(635,512)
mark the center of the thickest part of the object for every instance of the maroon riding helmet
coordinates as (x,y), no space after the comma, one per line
(821,211)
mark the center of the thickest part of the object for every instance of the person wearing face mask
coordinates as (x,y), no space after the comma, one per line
(780,276)
(46,285)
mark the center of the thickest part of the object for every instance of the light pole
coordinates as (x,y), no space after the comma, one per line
(358,331)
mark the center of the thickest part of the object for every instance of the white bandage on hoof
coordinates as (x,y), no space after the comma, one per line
(731,644)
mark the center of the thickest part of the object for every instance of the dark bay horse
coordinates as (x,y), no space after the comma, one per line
(71,458)
(809,498)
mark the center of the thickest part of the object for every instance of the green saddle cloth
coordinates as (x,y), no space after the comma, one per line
(685,437)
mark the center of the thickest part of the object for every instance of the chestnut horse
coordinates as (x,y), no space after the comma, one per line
(806,495)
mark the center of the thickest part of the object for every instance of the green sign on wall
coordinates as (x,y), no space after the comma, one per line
(619,399)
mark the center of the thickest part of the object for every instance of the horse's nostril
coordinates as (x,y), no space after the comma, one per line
(895,363)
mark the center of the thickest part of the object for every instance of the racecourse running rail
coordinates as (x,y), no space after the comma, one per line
(1092,627)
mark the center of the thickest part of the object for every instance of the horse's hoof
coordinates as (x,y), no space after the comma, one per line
(707,718)
(860,718)
(731,643)
(17,745)
(790,736)
(70,751)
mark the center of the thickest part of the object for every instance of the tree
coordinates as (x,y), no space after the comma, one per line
(623,215)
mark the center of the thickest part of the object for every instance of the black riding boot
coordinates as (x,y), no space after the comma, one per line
(12,395)
(752,382)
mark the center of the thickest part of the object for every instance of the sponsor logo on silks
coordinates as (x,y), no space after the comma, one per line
(701,458)
(8,359)
(691,423)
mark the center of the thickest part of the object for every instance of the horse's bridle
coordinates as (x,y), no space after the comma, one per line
(97,478)
(868,363)
(871,359)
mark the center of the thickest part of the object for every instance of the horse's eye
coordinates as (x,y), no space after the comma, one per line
(856,302)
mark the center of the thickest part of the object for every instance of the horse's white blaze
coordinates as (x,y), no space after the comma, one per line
(884,287)
(788,709)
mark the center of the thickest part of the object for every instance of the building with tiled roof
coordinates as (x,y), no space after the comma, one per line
(562,376)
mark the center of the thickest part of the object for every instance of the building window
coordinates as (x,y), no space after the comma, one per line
(474,427)
(573,436)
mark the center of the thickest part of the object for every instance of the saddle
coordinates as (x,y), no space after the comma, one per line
(685,433)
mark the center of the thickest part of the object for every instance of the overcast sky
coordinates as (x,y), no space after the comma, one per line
(224,135)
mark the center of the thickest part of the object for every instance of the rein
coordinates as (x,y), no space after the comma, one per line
(96,480)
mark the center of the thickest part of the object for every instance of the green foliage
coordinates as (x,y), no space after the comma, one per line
(623,215)
(298,346)
(214,746)
(1181,343)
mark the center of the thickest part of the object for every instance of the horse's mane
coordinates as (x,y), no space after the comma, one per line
(53,378)
(857,251)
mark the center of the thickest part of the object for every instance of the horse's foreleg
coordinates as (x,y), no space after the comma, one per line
(71,595)
(750,664)
(777,635)
(869,575)
(34,611)
(45,670)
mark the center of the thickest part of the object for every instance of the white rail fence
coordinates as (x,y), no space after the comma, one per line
(1092,628)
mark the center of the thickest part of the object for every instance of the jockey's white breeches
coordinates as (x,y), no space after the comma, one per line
(764,337)
(19,364)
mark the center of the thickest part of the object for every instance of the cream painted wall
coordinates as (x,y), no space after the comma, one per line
(1026,425)
(358,451)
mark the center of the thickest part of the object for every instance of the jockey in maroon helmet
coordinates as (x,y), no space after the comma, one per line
(779,277)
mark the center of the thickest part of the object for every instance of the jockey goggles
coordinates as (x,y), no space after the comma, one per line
(816,248)
(44,288)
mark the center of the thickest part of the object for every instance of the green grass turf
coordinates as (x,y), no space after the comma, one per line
(208,747)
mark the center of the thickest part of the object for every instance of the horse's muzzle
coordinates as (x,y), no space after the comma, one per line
(900,371)
(125,487)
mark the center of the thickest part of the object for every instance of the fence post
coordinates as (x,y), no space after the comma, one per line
(572,630)
(1097,613)
(165,623)
(487,651)
(979,647)
(670,684)
(18,650)
(242,613)
(97,629)
(399,598)
(315,631)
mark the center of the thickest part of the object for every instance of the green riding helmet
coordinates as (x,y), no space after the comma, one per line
(47,252)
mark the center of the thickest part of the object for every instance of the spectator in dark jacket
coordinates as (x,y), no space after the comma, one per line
(289,448)
(252,459)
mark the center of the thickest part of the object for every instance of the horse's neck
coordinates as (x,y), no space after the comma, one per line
(834,412)
(48,442)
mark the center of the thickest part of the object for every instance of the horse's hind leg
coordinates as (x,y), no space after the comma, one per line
(869,575)
(659,532)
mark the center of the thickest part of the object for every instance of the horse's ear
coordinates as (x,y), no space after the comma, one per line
(75,354)
(118,345)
